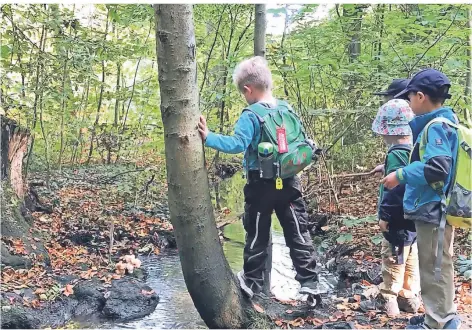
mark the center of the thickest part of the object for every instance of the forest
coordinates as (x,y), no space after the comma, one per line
(97,196)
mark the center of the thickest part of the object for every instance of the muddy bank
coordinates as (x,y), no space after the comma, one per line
(92,301)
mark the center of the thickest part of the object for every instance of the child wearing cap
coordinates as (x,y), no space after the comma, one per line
(400,287)
(426,178)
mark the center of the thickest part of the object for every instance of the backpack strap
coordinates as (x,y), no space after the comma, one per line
(440,246)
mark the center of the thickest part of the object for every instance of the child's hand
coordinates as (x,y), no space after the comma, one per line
(383,225)
(378,169)
(202,128)
(390,181)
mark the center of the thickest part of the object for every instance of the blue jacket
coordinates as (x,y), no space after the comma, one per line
(421,202)
(247,134)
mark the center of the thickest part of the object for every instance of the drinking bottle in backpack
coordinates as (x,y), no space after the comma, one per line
(265,153)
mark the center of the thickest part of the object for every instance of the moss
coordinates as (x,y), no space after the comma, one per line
(259,321)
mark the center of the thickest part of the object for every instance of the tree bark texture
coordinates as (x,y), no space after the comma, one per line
(14,146)
(209,279)
(260,25)
(15,197)
(260,30)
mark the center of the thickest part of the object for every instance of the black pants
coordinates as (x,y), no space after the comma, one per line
(261,199)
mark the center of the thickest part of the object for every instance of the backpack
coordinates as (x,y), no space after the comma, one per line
(457,205)
(300,151)
(458,202)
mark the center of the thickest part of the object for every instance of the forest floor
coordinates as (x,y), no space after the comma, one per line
(91,202)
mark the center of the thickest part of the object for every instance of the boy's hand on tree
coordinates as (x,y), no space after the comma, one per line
(383,225)
(202,128)
(390,181)
(378,169)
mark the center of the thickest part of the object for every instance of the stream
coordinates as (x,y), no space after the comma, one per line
(176,308)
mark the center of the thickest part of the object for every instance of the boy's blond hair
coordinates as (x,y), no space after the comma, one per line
(253,71)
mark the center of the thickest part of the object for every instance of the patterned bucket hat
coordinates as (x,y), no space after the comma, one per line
(393,118)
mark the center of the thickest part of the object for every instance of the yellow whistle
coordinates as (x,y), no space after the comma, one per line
(279,184)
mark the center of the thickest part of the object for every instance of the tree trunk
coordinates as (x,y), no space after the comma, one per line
(100,98)
(15,196)
(260,25)
(209,279)
(260,31)
(354,14)
(63,110)
(97,116)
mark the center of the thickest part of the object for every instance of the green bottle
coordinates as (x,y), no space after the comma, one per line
(265,153)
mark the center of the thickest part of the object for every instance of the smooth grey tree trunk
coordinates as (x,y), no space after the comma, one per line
(260,30)
(260,26)
(209,279)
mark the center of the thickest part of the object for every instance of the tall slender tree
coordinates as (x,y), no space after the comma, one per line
(208,277)
(260,26)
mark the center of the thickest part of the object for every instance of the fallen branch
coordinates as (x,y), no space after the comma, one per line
(351,175)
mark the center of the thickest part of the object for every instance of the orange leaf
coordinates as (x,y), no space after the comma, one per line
(40,291)
(278,323)
(357,298)
(297,322)
(35,303)
(258,308)
(467,300)
(316,322)
(364,282)
(68,290)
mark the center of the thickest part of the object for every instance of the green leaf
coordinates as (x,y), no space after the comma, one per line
(344,238)
(5,50)
(377,239)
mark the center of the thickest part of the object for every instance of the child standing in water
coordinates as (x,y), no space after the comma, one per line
(400,272)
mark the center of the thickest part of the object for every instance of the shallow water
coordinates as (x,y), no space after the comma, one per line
(175,308)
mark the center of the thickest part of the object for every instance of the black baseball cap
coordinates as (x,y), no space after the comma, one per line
(428,81)
(395,87)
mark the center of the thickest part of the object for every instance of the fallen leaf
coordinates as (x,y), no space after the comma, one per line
(258,308)
(68,290)
(278,323)
(289,311)
(467,300)
(297,322)
(147,293)
(116,276)
(12,300)
(35,303)
(357,298)
(317,322)
(364,282)
(325,228)
(341,307)
(39,291)
(43,297)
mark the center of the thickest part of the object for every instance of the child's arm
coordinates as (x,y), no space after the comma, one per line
(437,159)
(391,200)
(239,141)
